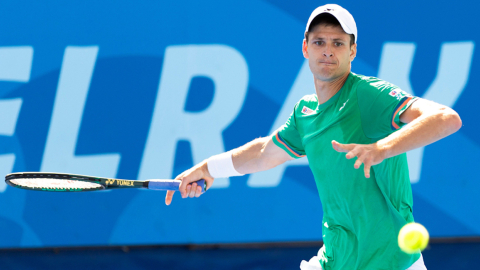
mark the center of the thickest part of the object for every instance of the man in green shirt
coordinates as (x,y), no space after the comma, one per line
(361,116)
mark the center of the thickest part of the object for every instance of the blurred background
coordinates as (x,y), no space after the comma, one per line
(146,89)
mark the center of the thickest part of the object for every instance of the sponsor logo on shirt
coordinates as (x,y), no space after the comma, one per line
(307,110)
(397,93)
(344,105)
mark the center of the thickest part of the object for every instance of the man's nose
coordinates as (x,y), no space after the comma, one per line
(327,50)
(328,53)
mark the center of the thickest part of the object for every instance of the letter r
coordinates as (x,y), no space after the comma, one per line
(170,122)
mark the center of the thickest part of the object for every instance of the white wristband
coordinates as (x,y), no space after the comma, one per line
(221,166)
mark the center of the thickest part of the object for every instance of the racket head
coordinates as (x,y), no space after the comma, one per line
(57,182)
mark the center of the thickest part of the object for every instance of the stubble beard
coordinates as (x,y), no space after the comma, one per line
(326,75)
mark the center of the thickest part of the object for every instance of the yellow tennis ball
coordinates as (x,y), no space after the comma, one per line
(413,238)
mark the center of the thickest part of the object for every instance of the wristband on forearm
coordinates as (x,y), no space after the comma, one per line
(221,166)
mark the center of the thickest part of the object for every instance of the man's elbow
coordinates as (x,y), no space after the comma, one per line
(451,119)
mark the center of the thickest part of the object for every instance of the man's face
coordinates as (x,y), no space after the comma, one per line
(328,52)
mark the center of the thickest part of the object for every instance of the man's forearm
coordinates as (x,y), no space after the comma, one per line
(424,130)
(258,155)
(248,158)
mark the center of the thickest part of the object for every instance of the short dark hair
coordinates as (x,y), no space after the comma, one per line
(328,19)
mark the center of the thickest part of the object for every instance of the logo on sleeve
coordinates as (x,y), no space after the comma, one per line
(307,110)
(397,93)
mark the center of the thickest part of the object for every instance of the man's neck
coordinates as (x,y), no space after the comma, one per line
(327,89)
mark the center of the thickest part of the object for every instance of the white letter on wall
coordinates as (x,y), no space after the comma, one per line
(170,123)
(15,66)
(59,155)
(302,86)
(452,76)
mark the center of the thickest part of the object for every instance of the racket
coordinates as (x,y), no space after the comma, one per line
(62,182)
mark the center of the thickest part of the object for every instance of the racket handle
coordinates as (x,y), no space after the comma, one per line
(171,184)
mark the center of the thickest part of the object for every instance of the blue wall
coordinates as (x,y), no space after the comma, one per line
(146,89)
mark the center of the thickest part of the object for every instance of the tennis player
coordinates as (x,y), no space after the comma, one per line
(373,122)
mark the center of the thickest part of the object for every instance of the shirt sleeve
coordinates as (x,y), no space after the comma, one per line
(288,138)
(381,105)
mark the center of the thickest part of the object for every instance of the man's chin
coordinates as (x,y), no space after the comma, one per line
(327,77)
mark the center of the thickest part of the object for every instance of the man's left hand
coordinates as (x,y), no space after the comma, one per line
(368,154)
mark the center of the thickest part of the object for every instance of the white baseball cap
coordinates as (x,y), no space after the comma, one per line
(342,15)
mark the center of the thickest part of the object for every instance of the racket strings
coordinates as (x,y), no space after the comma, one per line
(46,183)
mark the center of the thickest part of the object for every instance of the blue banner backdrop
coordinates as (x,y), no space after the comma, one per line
(145,89)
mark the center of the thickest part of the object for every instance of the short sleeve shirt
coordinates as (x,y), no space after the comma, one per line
(361,217)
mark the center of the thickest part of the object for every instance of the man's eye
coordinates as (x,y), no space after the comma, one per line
(318,42)
(338,44)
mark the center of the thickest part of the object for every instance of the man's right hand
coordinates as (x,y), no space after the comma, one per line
(258,155)
(188,187)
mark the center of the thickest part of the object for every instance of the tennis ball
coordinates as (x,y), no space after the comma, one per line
(413,238)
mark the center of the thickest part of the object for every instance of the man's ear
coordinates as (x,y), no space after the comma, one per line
(304,49)
(353,52)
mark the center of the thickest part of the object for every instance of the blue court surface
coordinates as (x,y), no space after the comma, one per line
(442,256)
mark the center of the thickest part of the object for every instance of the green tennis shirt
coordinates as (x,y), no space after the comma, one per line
(361,216)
